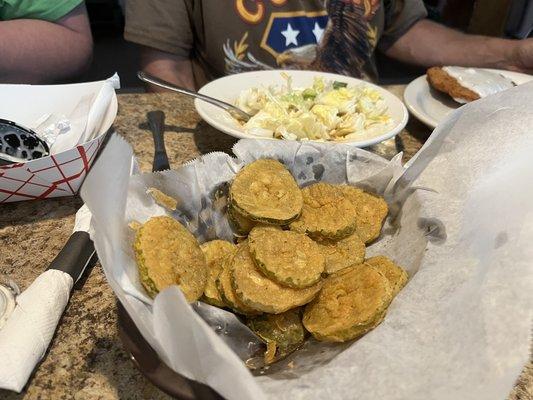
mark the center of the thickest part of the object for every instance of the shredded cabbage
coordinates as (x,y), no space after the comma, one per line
(328,110)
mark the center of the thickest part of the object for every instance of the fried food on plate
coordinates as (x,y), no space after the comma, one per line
(167,253)
(395,274)
(343,253)
(440,80)
(371,210)
(351,302)
(467,84)
(259,292)
(265,191)
(216,252)
(283,333)
(225,288)
(326,213)
(289,258)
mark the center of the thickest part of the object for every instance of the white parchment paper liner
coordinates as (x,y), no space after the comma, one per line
(462,224)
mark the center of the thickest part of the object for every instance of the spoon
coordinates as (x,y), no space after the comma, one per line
(235,112)
(19,144)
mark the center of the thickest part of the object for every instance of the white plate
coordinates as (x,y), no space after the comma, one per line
(431,106)
(229,87)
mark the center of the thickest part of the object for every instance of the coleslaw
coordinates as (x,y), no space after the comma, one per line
(326,111)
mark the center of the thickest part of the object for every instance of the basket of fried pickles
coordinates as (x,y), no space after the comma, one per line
(297,267)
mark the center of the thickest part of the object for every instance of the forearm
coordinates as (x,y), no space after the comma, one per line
(430,44)
(34,51)
(168,67)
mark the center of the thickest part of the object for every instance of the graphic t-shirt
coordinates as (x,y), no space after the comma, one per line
(231,36)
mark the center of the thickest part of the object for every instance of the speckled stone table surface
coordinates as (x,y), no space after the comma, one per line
(86,359)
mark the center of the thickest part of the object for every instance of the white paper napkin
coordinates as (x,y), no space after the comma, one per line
(27,333)
(96,115)
(87,117)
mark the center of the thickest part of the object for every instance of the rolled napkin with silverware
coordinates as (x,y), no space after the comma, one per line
(28,330)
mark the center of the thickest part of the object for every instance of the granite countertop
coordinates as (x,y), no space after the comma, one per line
(86,359)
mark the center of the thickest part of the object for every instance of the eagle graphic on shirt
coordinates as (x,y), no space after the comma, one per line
(338,39)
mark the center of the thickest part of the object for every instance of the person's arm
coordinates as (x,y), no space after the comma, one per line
(428,44)
(163,31)
(167,66)
(35,51)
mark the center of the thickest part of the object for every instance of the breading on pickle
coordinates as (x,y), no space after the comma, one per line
(227,292)
(163,199)
(265,191)
(288,258)
(371,211)
(326,214)
(259,292)
(343,253)
(394,273)
(283,333)
(351,302)
(239,222)
(167,253)
(215,251)
(134,225)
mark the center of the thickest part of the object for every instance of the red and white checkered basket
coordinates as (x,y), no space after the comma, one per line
(57,175)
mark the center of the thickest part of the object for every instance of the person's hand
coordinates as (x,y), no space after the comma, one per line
(523,56)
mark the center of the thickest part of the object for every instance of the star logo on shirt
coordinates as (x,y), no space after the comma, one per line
(293,29)
(290,35)
(318,32)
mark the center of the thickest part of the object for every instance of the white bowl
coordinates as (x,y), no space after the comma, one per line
(229,87)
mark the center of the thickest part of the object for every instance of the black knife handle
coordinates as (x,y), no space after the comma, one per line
(156,121)
(75,255)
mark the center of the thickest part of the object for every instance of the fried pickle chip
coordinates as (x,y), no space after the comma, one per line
(227,292)
(215,251)
(163,199)
(265,191)
(289,258)
(371,212)
(259,292)
(326,213)
(167,253)
(283,333)
(239,222)
(343,253)
(394,273)
(351,302)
